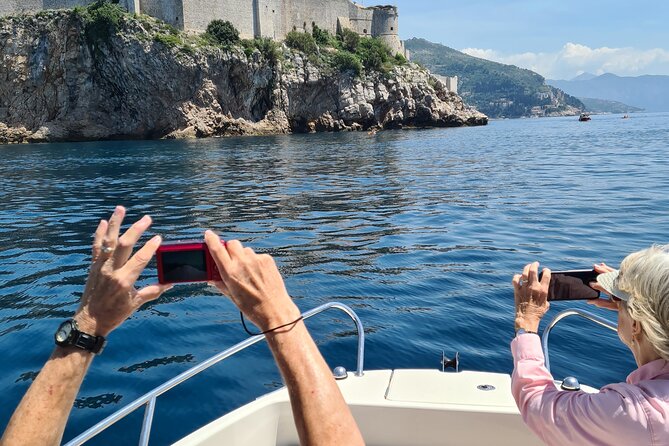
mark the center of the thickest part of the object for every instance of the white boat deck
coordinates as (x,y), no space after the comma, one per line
(392,408)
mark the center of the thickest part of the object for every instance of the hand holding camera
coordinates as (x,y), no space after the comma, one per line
(253,282)
(608,304)
(110,296)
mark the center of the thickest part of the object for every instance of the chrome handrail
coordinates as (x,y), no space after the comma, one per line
(149,399)
(564,314)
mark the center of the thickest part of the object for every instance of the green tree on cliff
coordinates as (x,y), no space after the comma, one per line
(102,19)
(349,39)
(223,33)
(322,36)
(301,41)
(374,54)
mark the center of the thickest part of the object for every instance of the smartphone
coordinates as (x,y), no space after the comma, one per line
(572,285)
(186,262)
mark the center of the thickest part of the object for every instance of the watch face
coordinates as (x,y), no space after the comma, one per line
(63,332)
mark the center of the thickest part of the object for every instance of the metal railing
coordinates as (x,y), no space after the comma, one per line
(149,399)
(564,314)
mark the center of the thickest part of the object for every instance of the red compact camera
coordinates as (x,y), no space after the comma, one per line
(186,262)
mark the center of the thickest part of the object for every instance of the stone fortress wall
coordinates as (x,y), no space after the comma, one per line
(253,18)
(170,11)
(9,7)
(451,82)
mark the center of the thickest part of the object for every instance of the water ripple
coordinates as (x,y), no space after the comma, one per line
(419,231)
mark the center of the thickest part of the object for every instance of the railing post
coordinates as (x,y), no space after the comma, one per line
(148,421)
(564,314)
(358,325)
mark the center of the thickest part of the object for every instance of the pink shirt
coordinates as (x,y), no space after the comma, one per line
(631,413)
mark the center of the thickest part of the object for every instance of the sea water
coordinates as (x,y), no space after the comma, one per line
(419,231)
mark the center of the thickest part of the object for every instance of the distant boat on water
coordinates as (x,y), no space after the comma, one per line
(584,117)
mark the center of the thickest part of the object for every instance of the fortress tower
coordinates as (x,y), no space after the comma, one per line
(253,18)
(385,23)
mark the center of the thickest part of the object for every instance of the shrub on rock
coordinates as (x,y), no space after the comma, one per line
(301,41)
(222,32)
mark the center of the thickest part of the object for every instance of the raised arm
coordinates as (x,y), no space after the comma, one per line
(255,285)
(109,299)
(564,418)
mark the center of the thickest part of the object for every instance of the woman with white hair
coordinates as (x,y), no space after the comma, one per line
(635,412)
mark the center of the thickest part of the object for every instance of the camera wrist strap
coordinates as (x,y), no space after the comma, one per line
(270,330)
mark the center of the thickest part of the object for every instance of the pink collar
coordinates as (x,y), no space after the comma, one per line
(658,369)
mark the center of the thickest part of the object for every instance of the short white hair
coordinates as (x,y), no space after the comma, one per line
(645,276)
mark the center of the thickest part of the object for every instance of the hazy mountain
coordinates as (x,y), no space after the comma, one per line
(496,89)
(648,92)
(604,106)
(584,77)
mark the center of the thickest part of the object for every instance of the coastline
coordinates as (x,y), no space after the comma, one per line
(61,87)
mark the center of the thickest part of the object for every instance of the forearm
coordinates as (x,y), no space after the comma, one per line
(530,379)
(321,415)
(44,409)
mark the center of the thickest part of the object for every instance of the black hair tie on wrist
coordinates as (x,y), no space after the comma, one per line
(270,330)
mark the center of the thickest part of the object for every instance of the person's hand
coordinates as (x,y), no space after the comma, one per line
(531,297)
(110,296)
(253,282)
(607,304)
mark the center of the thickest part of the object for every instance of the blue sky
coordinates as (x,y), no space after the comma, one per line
(558,38)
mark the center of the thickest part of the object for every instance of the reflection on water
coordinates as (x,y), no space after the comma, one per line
(418,231)
(98,401)
(156,363)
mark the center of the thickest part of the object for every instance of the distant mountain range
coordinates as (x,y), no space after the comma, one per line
(648,92)
(604,106)
(584,77)
(496,89)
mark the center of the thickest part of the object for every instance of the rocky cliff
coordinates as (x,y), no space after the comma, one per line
(58,83)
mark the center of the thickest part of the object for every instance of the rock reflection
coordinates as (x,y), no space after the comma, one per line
(98,401)
(27,376)
(158,362)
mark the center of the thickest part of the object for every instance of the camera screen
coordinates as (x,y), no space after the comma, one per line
(567,287)
(184,266)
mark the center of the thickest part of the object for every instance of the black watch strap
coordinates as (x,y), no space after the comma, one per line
(69,335)
(93,344)
(522,331)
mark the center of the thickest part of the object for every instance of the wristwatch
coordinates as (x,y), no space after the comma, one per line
(68,335)
(522,331)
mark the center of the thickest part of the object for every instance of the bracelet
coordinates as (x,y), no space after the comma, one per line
(521,331)
(270,330)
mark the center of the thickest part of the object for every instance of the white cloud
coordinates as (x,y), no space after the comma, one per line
(574,59)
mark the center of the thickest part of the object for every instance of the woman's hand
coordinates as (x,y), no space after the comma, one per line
(602,303)
(253,282)
(531,297)
(110,296)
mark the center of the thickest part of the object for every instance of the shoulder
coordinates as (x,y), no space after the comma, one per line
(655,390)
(645,403)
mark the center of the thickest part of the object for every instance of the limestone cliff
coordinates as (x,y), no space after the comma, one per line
(56,84)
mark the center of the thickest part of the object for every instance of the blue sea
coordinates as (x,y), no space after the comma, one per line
(419,231)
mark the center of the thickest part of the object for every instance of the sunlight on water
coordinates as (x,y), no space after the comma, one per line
(418,231)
